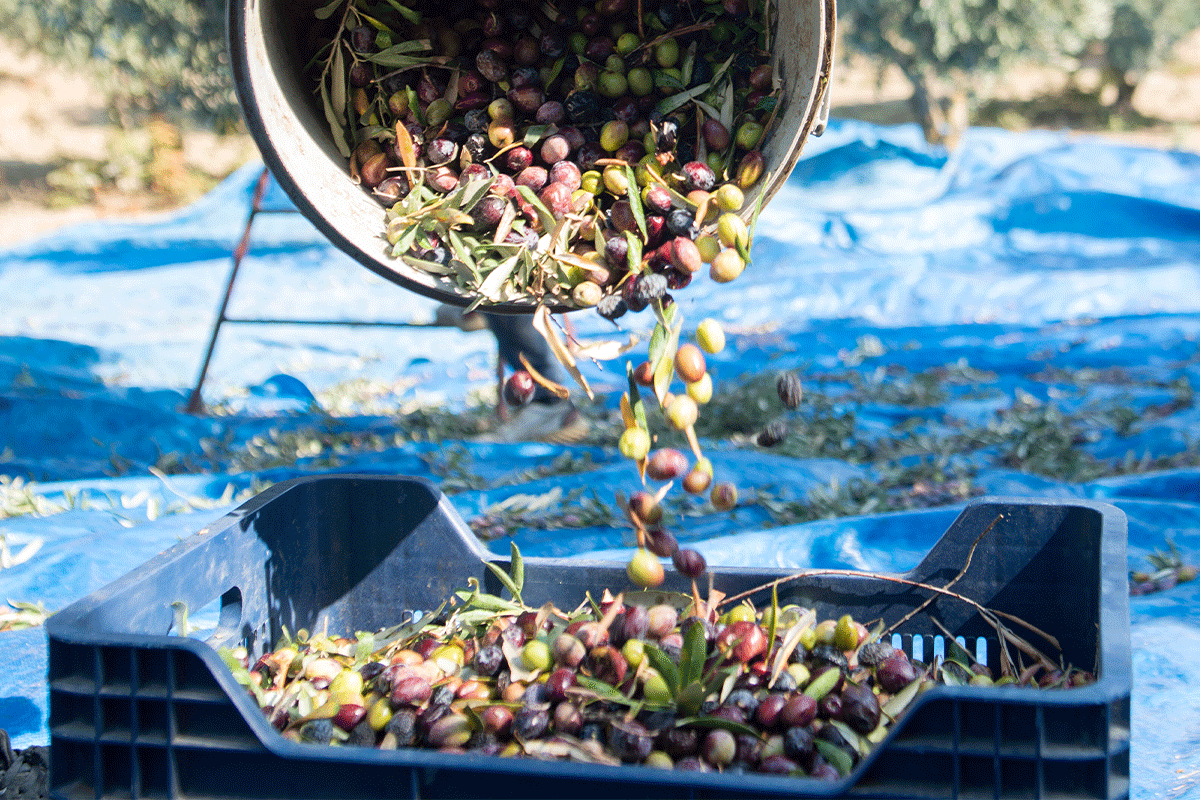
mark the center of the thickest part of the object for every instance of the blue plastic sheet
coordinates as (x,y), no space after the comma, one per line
(1015,256)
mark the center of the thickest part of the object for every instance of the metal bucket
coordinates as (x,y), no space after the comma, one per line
(286,119)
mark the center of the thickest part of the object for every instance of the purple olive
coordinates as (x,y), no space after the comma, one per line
(518,389)
(566,173)
(554,149)
(518,158)
(532,177)
(557,198)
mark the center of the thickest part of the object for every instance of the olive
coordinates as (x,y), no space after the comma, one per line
(666,464)
(565,172)
(645,570)
(723,496)
(688,562)
(518,159)
(629,741)
(519,388)
(550,112)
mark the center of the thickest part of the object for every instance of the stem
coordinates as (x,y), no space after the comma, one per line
(854,573)
(954,580)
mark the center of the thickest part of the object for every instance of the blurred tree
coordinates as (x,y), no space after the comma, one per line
(960,44)
(154,56)
(1140,36)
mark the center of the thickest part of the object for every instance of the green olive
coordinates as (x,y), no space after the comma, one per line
(748,135)
(666,53)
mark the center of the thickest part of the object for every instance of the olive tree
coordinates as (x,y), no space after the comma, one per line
(1140,36)
(961,44)
(160,56)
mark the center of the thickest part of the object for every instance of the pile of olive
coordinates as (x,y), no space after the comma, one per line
(633,139)
(633,679)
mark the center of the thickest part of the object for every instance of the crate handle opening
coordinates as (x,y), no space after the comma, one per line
(217,622)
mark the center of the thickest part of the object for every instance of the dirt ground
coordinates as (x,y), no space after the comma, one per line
(64,162)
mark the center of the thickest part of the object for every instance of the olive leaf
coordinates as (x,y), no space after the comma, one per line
(771,629)
(955,654)
(535,133)
(414,104)
(664,368)
(669,104)
(719,72)
(955,674)
(458,246)
(555,70)
(516,568)
(337,94)
(363,647)
(466,275)
(707,109)
(836,756)
(627,415)
(526,268)
(473,192)
(409,14)
(490,287)
(742,250)
(376,24)
(636,406)
(634,253)
(598,240)
(404,241)
(732,675)
(449,218)
(689,61)
(665,666)
(852,736)
(406,148)
(693,654)
(603,691)
(665,80)
(180,626)
(487,602)
(727,108)
(243,676)
(335,122)
(383,57)
(730,725)
(431,267)
(326,11)
(507,581)
(542,324)
(555,388)
(544,216)
(901,699)
(766,105)
(606,350)
(635,201)
(516,664)
(758,205)
(790,641)
(377,132)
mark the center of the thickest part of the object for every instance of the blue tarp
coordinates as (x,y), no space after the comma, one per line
(1035,273)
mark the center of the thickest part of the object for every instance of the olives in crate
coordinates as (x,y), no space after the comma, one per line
(633,678)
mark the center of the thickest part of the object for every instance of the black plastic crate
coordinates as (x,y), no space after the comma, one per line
(138,713)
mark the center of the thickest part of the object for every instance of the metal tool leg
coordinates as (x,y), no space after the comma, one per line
(195,403)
